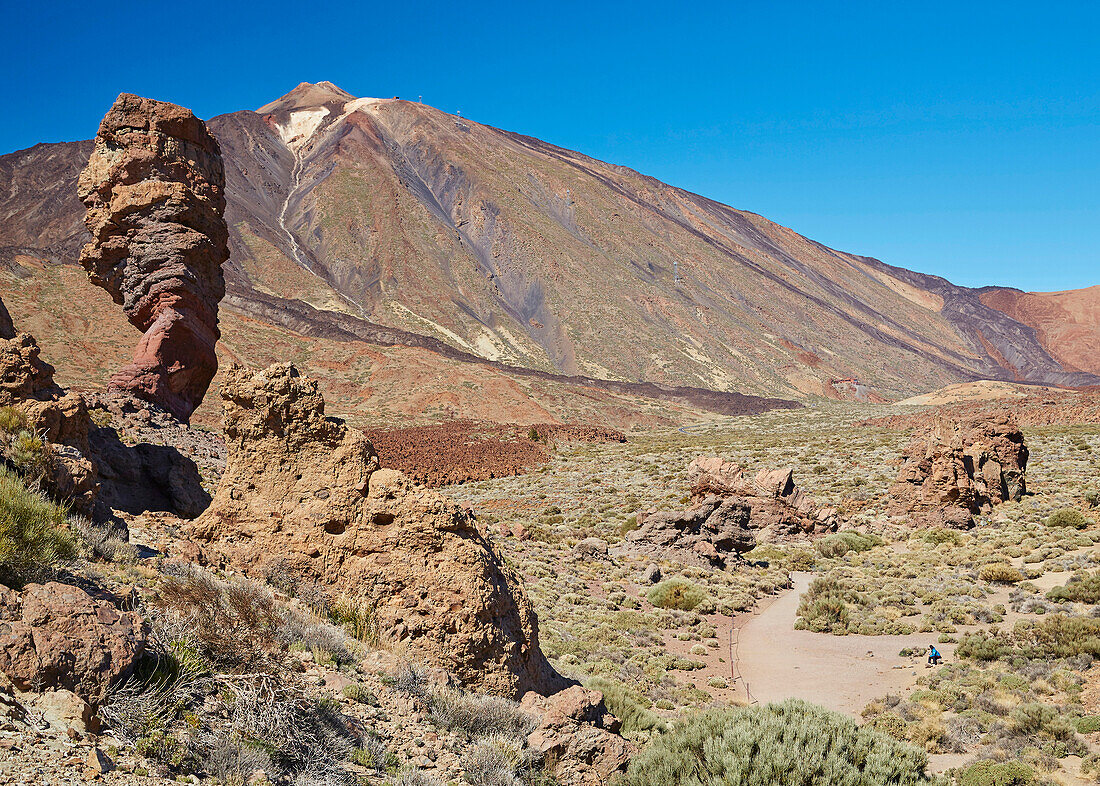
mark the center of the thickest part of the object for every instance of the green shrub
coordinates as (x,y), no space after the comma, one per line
(1000,572)
(791,742)
(1067,517)
(676,593)
(1088,724)
(840,543)
(358,620)
(27,451)
(824,607)
(989,773)
(941,535)
(1081,588)
(629,706)
(32,533)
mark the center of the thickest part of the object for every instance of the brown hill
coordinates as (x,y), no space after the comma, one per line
(392,223)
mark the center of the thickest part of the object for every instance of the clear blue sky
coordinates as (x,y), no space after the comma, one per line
(961,139)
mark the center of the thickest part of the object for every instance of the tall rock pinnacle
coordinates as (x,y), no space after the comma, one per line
(154,193)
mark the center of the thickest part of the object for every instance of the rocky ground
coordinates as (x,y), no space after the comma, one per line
(658,635)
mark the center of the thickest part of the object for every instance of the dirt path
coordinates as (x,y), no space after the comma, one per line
(842,673)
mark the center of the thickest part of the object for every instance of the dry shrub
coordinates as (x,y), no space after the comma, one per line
(480,715)
(233,624)
(1000,572)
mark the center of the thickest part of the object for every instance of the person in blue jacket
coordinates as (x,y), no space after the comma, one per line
(933,656)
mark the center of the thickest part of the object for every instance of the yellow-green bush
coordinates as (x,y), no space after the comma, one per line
(1000,572)
(989,773)
(32,533)
(1067,517)
(676,593)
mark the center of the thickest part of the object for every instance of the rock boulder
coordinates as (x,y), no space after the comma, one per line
(729,515)
(578,735)
(58,636)
(27,383)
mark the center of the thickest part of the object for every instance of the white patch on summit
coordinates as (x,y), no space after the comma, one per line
(300,126)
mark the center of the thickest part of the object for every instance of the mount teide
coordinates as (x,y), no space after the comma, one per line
(392,222)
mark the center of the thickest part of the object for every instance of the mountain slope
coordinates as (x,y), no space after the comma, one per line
(390,213)
(1067,324)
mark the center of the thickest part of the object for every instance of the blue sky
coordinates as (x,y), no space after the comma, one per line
(961,139)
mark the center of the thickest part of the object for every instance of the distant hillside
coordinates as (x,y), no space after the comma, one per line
(391,222)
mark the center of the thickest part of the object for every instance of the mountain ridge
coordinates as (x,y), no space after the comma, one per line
(520,252)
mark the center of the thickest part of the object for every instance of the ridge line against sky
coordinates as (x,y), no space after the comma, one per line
(955,140)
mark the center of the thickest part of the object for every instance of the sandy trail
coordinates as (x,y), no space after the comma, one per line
(842,673)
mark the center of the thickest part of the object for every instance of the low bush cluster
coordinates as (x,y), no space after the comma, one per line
(1055,636)
(793,742)
(840,543)
(1082,587)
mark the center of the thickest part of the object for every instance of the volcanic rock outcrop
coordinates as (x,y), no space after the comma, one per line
(576,734)
(153,189)
(58,636)
(27,384)
(959,469)
(303,490)
(729,514)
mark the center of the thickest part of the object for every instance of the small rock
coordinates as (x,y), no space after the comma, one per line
(651,575)
(64,710)
(98,761)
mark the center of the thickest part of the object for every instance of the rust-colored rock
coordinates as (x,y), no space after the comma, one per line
(58,636)
(955,470)
(305,490)
(153,189)
(577,735)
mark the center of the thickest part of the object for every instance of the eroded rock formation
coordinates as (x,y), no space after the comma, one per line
(153,189)
(27,384)
(956,470)
(58,636)
(729,515)
(304,490)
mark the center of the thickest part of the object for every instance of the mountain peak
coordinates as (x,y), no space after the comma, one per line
(308,95)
